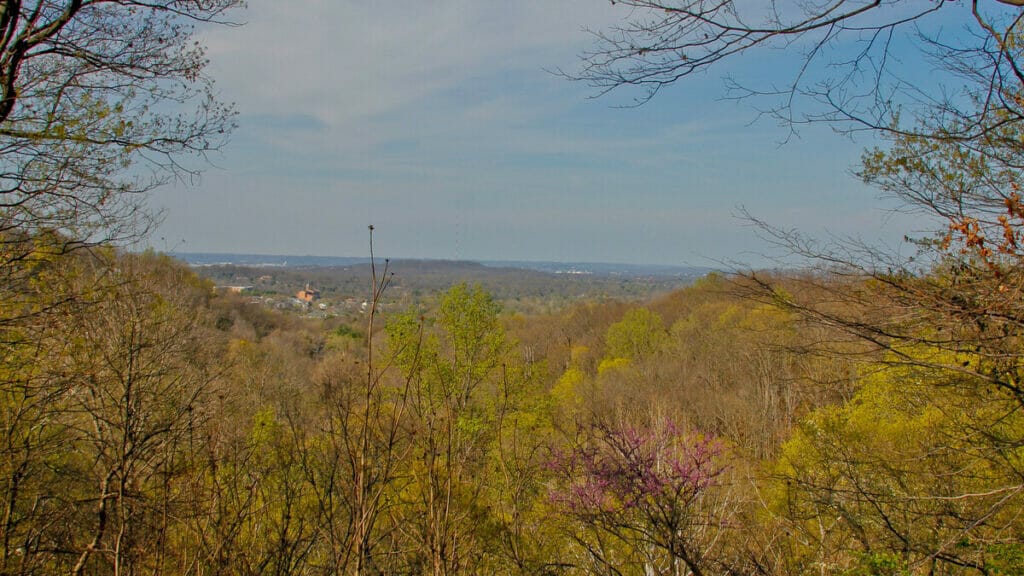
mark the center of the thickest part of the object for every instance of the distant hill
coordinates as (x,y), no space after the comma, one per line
(307,261)
(263,260)
(522,286)
(605,269)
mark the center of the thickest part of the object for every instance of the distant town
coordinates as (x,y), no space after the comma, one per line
(325,287)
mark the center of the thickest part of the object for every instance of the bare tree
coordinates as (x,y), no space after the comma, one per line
(89,88)
(954,156)
(100,101)
(859,63)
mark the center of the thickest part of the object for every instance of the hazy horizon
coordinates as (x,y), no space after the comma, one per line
(253,259)
(444,126)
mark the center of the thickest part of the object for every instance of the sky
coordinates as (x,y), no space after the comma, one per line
(442,124)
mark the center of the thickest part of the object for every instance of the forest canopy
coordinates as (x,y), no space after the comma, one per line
(863,417)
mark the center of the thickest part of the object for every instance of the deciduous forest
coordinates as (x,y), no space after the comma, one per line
(861,415)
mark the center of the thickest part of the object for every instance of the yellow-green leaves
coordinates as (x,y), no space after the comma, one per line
(639,334)
(904,473)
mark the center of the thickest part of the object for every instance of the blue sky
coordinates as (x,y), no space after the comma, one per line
(438,123)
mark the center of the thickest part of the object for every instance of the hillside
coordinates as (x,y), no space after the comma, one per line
(540,288)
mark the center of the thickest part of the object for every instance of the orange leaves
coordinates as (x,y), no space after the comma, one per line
(969,233)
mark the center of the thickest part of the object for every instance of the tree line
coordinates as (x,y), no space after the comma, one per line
(703,433)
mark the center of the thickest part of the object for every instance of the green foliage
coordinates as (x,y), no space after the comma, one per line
(124,370)
(253,455)
(476,339)
(881,564)
(408,345)
(346,331)
(451,364)
(611,365)
(566,391)
(638,335)
(900,473)
(1005,559)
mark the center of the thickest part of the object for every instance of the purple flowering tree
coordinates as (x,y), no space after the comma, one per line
(644,500)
